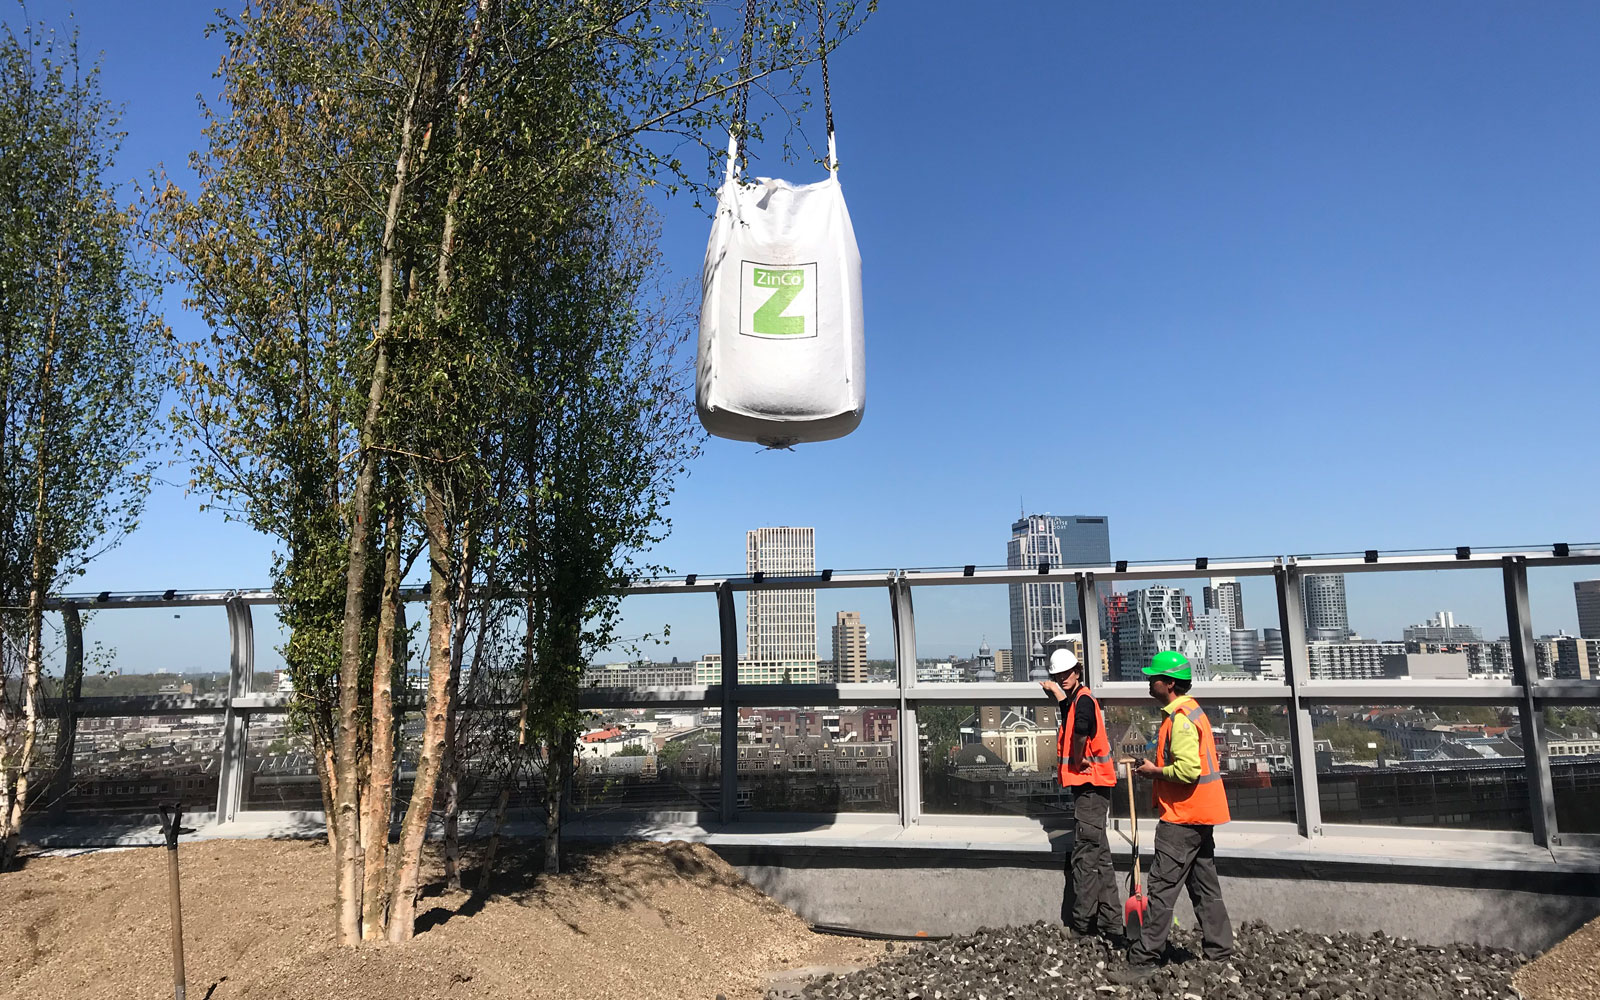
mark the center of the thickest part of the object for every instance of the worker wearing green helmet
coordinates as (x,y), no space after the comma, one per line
(1190,801)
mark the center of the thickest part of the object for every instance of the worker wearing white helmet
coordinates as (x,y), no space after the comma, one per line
(1085,765)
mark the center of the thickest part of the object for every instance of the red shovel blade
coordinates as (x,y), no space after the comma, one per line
(1133,913)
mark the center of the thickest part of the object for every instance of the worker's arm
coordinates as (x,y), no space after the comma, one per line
(1185,764)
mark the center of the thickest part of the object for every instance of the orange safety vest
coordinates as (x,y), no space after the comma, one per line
(1098,768)
(1204,803)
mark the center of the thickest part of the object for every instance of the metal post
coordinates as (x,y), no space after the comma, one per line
(1297,671)
(905,661)
(1525,673)
(728,749)
(1089,629)
(236,723)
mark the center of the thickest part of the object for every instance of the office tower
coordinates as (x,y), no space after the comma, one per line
(1113,616)
(1322,599)
(1223,594)
(1084,540)
(1587,594)
(1154,623)
(781,625)
(1038,610)
(1443,628)
(1246,647)
(1002,664)
(1272,642)
(850,648)
(1216,630)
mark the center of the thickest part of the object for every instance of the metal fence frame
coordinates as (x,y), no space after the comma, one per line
(1299,693)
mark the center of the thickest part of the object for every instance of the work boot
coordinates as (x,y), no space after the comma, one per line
(1133,975)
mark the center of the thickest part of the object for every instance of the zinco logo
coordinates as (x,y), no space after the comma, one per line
(779,301)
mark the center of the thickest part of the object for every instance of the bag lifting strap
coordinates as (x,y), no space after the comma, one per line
(741,104)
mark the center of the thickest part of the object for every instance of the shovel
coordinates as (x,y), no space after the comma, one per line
(1134,909)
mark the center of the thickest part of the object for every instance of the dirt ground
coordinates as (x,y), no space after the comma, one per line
(1569,971)
(637,920)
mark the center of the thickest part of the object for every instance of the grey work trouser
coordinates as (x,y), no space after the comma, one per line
(1094,882)
(1185,856)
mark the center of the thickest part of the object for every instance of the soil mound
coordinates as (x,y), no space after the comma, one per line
(640,919)
(1569,971)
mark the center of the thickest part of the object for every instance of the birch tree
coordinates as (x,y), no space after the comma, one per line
(79,339)
(379,178)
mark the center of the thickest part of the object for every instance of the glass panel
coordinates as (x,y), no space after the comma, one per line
(1565,606)
(662,641)
(640,760)
(1434,625)
(815,760)
(1419,765)
(997,759)
(129,765)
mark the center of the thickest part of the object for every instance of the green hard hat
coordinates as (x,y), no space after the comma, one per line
(1169,663)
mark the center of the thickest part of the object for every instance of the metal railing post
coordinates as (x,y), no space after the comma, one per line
(905,661)
(1525,672)
(728,745)
(1089,628)
(236,722)
(1297,672)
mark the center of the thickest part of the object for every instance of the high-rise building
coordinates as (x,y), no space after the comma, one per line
(1272,642)
(1587,594)
(1443,628)
(1223,594)
(1038,610)
(850,648)
(781,625)
(1154,623)
(1215,629)
(1002,664)
(1246,646)
(1084,540)
(1322,599)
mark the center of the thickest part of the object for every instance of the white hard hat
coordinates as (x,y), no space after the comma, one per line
(1062,661)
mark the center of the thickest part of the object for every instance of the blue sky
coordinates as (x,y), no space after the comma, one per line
(1247,278)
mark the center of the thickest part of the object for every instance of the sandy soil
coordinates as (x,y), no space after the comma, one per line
(638,920)
(1569,971)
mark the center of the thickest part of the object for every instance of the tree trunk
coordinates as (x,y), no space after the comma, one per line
(414,829)
(31,670)
(452,728)
(347,747)
(557,769)
(380,797)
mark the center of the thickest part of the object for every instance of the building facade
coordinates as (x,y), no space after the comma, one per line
(1084,540)
(1587,594)
(1216,631)
(1322,599)
(849,648)
(1038,610)
(1224,594)
(1154,622)
(1443,628)
(781,625)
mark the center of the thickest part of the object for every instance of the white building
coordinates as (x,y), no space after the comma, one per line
(1156,622)
(781,625)
(1038,610)
(1351,661)
(1216,631)
(1223,594)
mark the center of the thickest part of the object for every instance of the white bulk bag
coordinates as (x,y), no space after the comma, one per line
(781,357)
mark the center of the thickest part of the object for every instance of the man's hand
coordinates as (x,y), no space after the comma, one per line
(1146,769)
(1053,689)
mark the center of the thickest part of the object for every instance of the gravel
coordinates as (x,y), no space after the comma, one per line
(1046,960)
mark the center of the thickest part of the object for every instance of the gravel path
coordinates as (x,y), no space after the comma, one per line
(1044,960)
